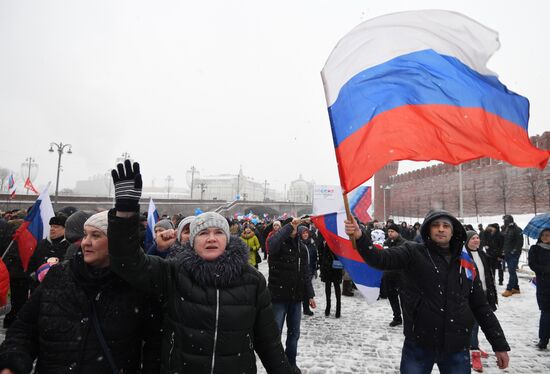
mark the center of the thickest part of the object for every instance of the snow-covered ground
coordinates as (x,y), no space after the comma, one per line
(362,342)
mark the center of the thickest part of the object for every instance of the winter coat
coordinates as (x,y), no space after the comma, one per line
(216,313)
(55,325)
(493,241)
(491,290)
(45,249)
(253,244)
(512,240)
(289,276)
(539,262)
(439,301)
(326,257)
(13,263)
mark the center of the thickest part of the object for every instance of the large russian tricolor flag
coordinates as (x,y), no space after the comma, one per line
(366,278)
(414,86)
(35,227)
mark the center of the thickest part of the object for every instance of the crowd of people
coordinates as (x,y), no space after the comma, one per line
(95,297)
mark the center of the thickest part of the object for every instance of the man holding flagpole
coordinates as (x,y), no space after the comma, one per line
(441,296)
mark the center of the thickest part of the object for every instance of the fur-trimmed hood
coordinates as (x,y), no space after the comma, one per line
(222,271)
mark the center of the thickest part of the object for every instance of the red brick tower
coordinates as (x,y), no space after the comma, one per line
(382,179)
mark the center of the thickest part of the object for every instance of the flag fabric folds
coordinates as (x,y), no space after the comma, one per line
(467,263)
(152,219)
(35,227)
(11,187)
(414,86)
(361,203)
(29,186)
(366,278)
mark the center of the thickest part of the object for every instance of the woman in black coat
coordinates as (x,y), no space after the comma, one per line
(331,274)
(217,308)
(84,319)
(481,260)
(539,262)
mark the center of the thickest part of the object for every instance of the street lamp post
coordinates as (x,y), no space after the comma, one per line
(30,162)
(60,147)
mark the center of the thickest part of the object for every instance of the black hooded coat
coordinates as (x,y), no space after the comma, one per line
(439,301)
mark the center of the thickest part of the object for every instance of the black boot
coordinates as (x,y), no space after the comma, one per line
(338,309)
(542,344)
(327,309)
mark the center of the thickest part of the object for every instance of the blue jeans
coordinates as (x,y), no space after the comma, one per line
(512,261)
(474,341)
(293,314)
(418,360)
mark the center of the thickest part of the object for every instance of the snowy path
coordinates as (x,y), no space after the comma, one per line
(362,342)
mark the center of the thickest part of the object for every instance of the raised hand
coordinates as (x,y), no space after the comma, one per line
(128,184)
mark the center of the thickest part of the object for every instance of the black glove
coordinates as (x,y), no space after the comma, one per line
(128,186)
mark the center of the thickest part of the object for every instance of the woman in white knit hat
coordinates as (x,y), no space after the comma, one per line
(83,318)
(217,309)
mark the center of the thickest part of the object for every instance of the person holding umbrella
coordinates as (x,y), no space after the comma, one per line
(539,262)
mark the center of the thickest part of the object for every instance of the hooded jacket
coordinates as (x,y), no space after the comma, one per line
(439,301)
(539,262)
(216,313)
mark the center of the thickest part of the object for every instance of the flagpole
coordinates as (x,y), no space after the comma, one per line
(7,249)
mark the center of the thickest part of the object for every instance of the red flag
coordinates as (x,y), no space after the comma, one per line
(4,286)
(30,186)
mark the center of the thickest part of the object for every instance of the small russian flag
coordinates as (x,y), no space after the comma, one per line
(468,264)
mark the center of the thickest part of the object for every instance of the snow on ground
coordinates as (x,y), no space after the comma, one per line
(362,342)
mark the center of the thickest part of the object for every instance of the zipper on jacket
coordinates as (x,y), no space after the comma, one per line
(216,329)
(171,349)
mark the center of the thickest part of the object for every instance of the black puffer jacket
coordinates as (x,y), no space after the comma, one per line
(216,314)
(491,290)
(328,273)
(512,239)
(493,241)
(539,262)
(439,302)
(45,249)
(55,326)
(289,274)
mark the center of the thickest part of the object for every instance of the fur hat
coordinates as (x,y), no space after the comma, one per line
(394,227)
(205,221)
(59,219)
(99,221)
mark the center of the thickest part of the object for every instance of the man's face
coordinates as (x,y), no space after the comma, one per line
(56,231)
(305,235)
(392,234)
(441,232)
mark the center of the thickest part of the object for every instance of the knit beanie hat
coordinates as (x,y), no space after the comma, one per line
(205,221)
(184,222)
(99,221)
(469,235)
(74,226)
(394,227)
(165,223)
(58,219)
(277,223)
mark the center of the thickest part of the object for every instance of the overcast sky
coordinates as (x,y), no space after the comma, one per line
(215,84)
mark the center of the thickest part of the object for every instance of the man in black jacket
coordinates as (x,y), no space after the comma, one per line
(440,297)
(289,283)
(512,244)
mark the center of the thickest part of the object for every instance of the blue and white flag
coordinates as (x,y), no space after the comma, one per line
(152,219)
